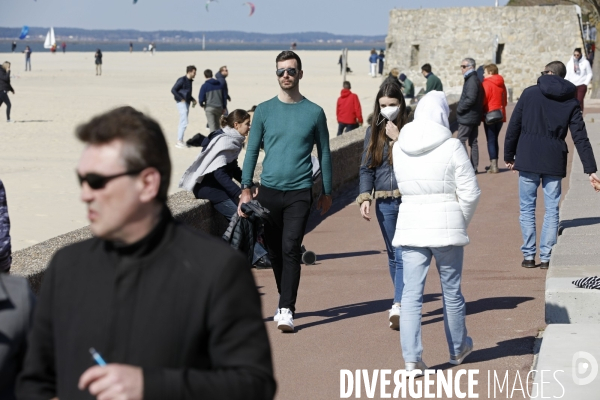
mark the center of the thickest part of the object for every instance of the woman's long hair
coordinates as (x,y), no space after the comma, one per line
(378,137)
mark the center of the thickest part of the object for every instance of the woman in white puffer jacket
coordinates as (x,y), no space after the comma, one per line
(439,197)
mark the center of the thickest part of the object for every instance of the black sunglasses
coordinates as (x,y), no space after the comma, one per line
(291,71)
(97,181)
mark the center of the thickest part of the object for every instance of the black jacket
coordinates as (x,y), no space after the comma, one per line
(219,76)
(535,139)
(380,178)
(5,248)
(5,81)
(470,106)
(182,90)
(179,304)
(242,233)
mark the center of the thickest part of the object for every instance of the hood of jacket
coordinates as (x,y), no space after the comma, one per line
(212,82)
(496,80)
(345,93)
(219,76)
(556,88)
(430,127)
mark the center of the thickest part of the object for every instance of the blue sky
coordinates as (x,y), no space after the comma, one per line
(364,17)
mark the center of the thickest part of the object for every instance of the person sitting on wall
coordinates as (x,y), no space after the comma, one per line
(433,82)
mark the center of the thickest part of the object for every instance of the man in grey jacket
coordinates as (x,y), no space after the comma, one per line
(470,109)
(214,101)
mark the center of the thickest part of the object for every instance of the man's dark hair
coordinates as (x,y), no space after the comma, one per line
(189,69)
(347,85)
(208,73)
(426,68)
(557,68)
(289,55)
(145,144)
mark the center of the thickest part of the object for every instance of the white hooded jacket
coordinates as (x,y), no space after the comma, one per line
(436,179)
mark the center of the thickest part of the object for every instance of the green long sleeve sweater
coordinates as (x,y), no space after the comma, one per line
(289,132)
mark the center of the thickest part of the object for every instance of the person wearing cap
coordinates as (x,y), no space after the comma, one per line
(407,87)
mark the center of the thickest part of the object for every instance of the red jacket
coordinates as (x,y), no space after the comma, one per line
(348,108)
(495,95)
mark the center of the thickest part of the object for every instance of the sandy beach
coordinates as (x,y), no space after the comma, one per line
(39,153)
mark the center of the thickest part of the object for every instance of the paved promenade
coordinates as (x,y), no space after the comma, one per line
(341,320)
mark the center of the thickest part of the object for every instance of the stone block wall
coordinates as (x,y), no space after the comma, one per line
(531,36)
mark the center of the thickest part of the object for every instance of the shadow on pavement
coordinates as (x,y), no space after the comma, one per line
(334,256)
(481,305)
(574,223)
(344,196)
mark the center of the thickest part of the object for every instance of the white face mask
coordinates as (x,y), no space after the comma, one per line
(389,113)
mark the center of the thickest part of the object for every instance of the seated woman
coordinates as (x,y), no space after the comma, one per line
(211,176)
(439,197)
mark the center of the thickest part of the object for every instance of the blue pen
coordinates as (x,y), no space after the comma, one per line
(97,357)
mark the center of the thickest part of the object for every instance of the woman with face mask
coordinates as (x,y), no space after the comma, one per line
(377,181)
(579,73)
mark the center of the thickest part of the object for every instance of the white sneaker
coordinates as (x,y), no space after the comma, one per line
(458,359)
(277,316)
(394,317)
(180,145)
(286,320)
(411,366)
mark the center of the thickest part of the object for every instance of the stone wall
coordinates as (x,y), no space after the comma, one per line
(532,37)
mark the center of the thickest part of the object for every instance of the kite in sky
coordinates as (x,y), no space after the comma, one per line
(252,7)
(24,32)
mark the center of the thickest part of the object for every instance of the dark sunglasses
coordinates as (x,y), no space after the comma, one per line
(464,66)
(96,181)
(545,72)
(291,71)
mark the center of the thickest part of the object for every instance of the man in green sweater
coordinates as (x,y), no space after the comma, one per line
(289,124)
(433,82)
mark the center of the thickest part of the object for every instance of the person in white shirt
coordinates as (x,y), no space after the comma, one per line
(439,197)
(579,73)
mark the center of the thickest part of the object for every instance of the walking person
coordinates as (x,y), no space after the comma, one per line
(348,110)
(290,125)
(171,312)
(27,52)
(433,82)
(131,47)
(535,146)
(439,197)
(373,58)
(378,183)
(210,176)
(213,100)
(98,58)
(494,110)
(381,61)
(221,76)
(64,47)
(579,73)
(14,46)
(5,87)
(182,91)
(470,110)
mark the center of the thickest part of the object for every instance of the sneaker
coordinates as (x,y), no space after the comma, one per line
(528,264)
(277,316)
(394,317)
(286,320)
(457,360)
(544,264)
(8,120)
(180,145)
(411,366)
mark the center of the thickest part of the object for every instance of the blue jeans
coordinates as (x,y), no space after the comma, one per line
(528,186)
(184,109)
(228,208)
(491,133)
(449,262)
(387,215)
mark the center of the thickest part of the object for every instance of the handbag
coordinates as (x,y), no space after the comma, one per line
(493,117)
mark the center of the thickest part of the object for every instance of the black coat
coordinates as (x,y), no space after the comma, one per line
(179,303)
(535,139)
(242,233)
(182,90)
(470,106)
(5,81)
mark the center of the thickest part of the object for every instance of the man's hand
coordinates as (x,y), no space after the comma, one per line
(511,166)
(595,182)
(113,382)
(324,203)
(245,197)
(365,208)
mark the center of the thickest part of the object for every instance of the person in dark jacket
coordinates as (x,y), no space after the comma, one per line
(27,52)
(98,61)
(5,248)
(348,110)
(182,92)
(17,303)
(535,146)
(381,61)
(433,82)
(377,181)
(211,175)
(174,313)
(470,109)
(221,76)
(408,88)
(5,87)
(213,99)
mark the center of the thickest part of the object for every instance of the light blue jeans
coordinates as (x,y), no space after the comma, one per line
(528,186)
(386,211)
(449,263)
(184,109)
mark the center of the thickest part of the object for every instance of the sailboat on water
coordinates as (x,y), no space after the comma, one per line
(50,42)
